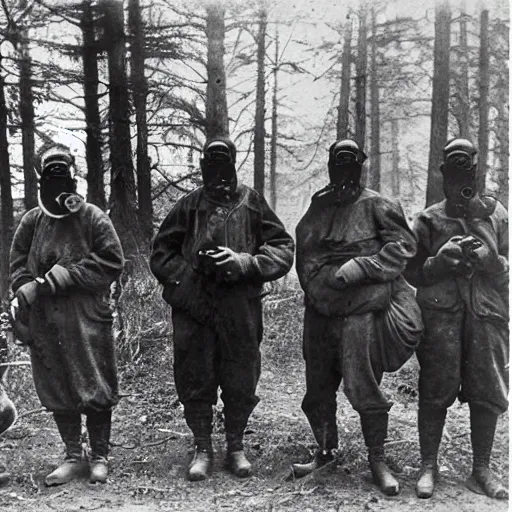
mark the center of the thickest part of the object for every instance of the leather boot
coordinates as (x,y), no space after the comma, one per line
(375,428)
(98,426)
(426,480)
(321,458)
(236,461)
(201,464)
(483,428)
(199,417)
(69,426)
(430,427)
(238,464)
(8,414)
(381,473)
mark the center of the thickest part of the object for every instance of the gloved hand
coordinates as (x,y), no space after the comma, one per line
(450,254)
(349,273)
(449,259)
(485,258)
(234,265)
(27,294)
(58,279)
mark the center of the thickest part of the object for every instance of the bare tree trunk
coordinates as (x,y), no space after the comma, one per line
(27,120)
(483,107)
(259,122)
(122,199)
(93,154)
(190,159)
(463,83)
(395,157)
(6,203)
(502,135)
(361,78)
(343,106)
(217,123)
(440,100)
(374,174)
(140,91)
(273,138)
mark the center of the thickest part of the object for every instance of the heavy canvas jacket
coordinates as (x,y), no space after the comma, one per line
(73,351)
(485,292)
(249,227)
(373,232)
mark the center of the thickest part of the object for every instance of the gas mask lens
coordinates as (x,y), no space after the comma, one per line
(344,158)
(462,161)
(218,157)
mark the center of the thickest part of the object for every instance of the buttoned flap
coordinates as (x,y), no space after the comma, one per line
(443,295)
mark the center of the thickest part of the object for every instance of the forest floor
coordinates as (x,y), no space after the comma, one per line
(152,445)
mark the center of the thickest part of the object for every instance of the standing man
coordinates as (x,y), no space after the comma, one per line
(64,256)
(214,250)
(461,272)
(361,318)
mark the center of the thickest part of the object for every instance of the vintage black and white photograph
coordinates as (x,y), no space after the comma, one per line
(254,255)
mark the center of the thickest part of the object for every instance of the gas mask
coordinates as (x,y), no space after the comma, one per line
(218,171)
(345,166)
(459,176)
(57,187)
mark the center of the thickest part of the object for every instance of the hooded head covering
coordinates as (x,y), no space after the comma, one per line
(57,186)
(459,167)
(345,163)
(218,169)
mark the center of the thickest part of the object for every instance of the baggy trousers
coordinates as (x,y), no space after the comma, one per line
(209,356)
(463,356)
(337,349)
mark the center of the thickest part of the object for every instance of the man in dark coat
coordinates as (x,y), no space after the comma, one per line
(64,256)
(361,318)
(461,273)
(214,250)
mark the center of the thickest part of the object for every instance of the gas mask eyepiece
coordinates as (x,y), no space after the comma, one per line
(459,175)
(218,169)
(57,186)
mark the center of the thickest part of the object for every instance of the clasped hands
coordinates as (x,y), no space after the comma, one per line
(464,254)
(56,278)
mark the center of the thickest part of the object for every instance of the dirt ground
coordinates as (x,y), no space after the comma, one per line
(152,445)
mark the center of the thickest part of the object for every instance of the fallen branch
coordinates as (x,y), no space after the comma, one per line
(401,441)
(31,412)
(16,363)
(150,444)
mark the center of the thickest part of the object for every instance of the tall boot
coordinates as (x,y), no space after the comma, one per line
(236,460)
(199,418)
(326,435)
(99,426)
(69,425)
(235,423)
(375,429)
(430,427)
(483,428)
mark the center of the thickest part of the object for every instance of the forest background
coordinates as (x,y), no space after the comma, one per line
(136,87)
